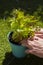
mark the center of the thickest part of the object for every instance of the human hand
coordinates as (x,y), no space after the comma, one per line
(35,46)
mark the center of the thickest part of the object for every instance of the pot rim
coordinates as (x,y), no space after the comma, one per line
(10,39)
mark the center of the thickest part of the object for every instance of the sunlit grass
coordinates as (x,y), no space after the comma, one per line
(4,45)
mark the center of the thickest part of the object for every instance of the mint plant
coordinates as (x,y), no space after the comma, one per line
(22,25)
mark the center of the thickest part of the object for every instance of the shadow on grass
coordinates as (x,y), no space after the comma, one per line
(32,60)
(30,6)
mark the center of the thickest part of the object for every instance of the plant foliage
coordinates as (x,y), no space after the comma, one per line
(22,25)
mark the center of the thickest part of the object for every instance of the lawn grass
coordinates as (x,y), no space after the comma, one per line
(4,46)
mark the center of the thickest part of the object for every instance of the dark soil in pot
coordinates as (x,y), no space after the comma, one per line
(11,40)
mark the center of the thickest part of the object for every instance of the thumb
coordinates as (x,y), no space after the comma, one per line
(29,51)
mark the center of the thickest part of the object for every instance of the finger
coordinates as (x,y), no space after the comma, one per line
(30,44)
(26,43)
(32,52)
(23,42)
(40,36)
(40,32)
(28,51)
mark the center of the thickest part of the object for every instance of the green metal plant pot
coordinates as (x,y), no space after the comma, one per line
(17,50)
